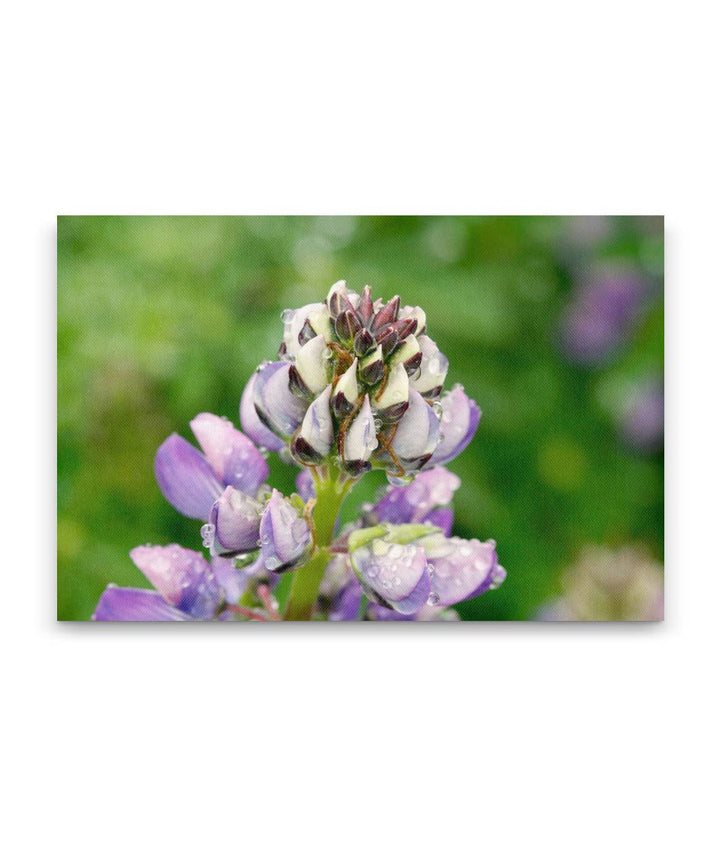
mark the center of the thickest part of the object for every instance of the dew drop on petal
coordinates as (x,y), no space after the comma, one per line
(287,315)
(434,599)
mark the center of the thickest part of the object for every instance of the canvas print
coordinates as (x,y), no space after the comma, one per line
(344,419)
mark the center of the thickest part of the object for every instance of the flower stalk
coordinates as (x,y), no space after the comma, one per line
(331,488)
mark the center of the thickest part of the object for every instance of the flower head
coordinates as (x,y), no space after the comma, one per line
(358,382)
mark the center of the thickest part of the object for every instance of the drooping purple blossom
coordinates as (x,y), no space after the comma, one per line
(187,588)
(284,534)
(192,481)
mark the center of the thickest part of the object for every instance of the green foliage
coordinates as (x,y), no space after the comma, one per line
(160,318)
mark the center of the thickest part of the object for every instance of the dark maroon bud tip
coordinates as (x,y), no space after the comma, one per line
(347,325)
(337,304)
(355,468)
(372,374)
(364,341)
(297,386)
(365,306)
(389,339)
(406,327)
(340,405)
(387,314)
(306,333)
(412,366)
(304,452)
(393,413)
(282,350)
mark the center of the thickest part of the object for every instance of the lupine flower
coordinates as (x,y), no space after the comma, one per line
(610,585)
(356,383)
(455,569)
(392,570)
(359,384)
(404,567)
(602,313)
(192,482)
(187,588)
(284,534)
(234,525)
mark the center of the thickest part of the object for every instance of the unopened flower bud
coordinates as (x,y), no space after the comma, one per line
(433,369)
(392,402)
(387,314)
(284,535)
(303,324)
(410,355)
(365,307)
(309,374)
(347,325)
(371,367)
(360,440)
(339,299)
(417,433)
(388,338)
(317,433)
(235,519)
(364,342)
(345,395)
(417,314)
(277,406)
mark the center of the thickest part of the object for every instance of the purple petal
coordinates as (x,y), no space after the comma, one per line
(346,606)
(440,517)
(284,535)
(461,569)
(236,518)
(275,403)
(181,576)
(185,478)
(230,453)
(305,485)
(394,574)
(412,503)
(128,604)
(251,423)
(459,422)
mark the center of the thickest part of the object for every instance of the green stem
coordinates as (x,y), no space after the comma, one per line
(330,490)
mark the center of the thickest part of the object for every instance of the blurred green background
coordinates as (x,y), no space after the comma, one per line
(160,318)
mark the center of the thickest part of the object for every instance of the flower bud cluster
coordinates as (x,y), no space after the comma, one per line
(358,381)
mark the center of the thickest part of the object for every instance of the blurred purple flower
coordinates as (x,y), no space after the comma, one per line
(602,313)
(643,416)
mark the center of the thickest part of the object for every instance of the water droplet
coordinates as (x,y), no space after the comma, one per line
(437,407)
(272,562)
(434,599)
(431,569)
(287,315)
(207,531)
(327,354)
